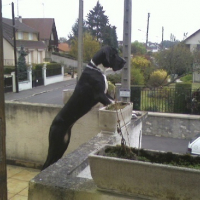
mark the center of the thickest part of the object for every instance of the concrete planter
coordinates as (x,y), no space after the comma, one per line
(144,178)
(108,118)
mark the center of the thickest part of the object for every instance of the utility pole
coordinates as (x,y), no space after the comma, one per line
(125,88)
(15,53)
(80,39)
(162,37)
(147,30)
(3,172)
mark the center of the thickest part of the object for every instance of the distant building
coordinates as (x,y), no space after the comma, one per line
(193,42)
(120,43)
(38,42)
(63,48)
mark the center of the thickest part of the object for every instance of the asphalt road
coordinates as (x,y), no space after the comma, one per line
(174,145)
(52,94)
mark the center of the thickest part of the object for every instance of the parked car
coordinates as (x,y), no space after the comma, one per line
(194,145)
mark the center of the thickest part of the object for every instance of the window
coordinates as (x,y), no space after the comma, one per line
(30,36)
(20,35)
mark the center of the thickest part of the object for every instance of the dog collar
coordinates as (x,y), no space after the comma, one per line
(94,68)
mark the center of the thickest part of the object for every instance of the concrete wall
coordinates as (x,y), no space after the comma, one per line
(66,61)
(27,127)
(172,125)
(8,53)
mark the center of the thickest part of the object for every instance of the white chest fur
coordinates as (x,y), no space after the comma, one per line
(106,83)
(103,69)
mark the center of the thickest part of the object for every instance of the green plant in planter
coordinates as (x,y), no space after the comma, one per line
(116,106)
(111,89)
(156,157)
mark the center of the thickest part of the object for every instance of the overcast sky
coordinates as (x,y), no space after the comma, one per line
(176,16)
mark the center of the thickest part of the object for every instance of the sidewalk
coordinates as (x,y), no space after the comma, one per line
(17,181)
(49,94)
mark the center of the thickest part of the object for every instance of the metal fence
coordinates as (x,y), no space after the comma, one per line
(166,100)
(53,71)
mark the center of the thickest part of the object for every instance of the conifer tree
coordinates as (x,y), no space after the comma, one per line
(21,64)
(97,21)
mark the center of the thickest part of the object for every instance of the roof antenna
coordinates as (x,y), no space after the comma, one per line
(43,9)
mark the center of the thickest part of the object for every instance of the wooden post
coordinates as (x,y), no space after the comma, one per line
(3,172)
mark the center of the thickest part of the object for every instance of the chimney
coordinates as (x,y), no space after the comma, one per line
(20,19)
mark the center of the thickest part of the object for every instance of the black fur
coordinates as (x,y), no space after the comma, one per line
(88,92)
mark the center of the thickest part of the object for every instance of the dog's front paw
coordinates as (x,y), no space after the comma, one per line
(111,101)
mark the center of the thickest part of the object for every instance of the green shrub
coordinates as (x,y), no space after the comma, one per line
(114,78)
(157,78)
(111,89)
(53,65)
(9,69)
(137,77)
(182,98)
(187,78)
(53,69)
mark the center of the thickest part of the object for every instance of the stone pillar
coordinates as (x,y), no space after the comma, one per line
(13,81)
(29,73)
(44,73)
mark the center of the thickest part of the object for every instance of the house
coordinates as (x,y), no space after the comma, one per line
(193,43)
(26,37)
(63,48)
(38,36)
(47,32)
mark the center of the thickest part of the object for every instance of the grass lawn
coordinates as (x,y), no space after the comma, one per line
(195,86)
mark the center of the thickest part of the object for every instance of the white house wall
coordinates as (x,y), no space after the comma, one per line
(35,56)
(193,41)
(8,53)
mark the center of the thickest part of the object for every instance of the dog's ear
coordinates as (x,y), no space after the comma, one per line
(107,55)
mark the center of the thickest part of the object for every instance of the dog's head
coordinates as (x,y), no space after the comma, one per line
(108,57)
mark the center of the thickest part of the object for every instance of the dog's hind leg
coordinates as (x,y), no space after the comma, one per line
(57,147)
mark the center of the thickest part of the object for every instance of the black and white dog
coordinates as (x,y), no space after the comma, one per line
(90,89)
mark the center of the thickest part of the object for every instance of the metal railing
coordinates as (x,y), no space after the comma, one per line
(166,100)
(54,71)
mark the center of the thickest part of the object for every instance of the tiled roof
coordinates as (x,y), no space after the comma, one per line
(19,26)
(8,34)
(63,47)
(42,25)
(30,44)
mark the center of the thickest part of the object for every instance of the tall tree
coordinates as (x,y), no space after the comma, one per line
(110,36)
(74,32)
(176,60)
(138,48)
(97,21)
(90,46)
